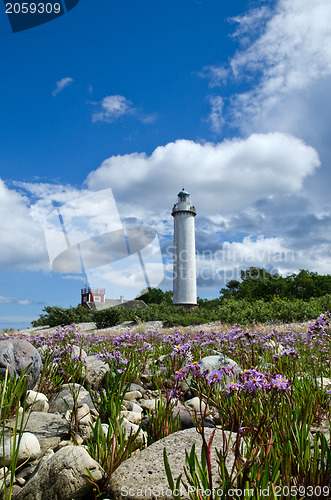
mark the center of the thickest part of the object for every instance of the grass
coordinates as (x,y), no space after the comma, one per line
(270,408)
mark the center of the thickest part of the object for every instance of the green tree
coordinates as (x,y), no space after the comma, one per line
(156,296)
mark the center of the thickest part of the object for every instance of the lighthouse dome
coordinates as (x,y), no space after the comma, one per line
(183,193)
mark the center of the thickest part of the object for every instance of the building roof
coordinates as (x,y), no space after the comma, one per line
(115,303)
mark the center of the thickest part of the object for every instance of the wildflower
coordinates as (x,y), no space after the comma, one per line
(280,383)
(213,377)
(174,395)
(232,388)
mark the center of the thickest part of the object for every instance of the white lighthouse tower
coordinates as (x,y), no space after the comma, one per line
(185,287)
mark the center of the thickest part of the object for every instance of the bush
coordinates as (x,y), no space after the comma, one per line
(58,316)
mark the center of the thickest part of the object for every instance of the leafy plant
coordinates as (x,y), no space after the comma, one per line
(13,394)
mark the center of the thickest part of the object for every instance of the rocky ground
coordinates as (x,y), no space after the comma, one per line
(132,326)
(52,468)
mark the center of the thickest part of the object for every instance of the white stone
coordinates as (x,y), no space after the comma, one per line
(323,382)
(132,416)
(33,396)
(131,406)
(41,406)
(140,439)
(195,404)
(131,395)
(29,449)
(105,428)
(149,404)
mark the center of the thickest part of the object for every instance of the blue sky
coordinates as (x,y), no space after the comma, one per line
(230,99)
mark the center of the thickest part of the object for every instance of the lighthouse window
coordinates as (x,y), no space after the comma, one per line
(96,299)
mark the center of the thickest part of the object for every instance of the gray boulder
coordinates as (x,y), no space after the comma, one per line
(58,405)
(95,371)
(143,475)
(17,355)
(63,476)
(48,428)
(187,418)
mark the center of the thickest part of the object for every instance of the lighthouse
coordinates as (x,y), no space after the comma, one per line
(184,279)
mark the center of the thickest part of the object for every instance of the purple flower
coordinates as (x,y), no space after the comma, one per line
(214,377)
(280,383)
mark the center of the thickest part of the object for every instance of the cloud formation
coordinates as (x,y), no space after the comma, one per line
(224,177)
(22,239)
(282,52)
(14,300)
(113,107)
(61,84)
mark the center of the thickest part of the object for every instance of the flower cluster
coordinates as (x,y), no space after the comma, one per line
(320,326)
(252,381)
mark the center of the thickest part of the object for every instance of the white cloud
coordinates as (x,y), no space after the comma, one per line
(215,117)
(222,177)
(61,84)
(284,53)
(22,239)
(14,300)
(112,108)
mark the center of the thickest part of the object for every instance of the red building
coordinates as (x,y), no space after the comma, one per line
(92,295)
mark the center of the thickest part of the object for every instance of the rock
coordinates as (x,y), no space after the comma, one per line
(78,352)
(217,362)
(137,387)
(131,406)
(141,438)
(41,406)
(37,401)
(33,396)
(196,404)
(149,404)
(58,405)
(143,475)
(132,416)
(83,415)
(3,473)
(131,395)
(29,449)
(185,389)
(323,382)
(17,355)
(186,418)
(63,476)
(48,428)
(95,371)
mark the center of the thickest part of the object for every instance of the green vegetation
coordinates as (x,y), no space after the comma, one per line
(58,316)
(258,284)
(259,297)
(274,415)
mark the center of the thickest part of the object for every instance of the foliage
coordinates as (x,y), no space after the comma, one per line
(270,413)
(257,283)
(12,394)
(156,296)
(109,447)
(161,421)
(58,316)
